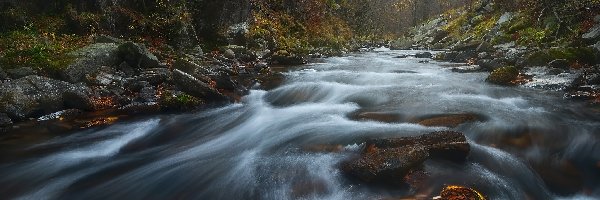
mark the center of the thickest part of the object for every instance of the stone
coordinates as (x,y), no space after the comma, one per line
(34,96)
(489,64)
(138,56)
(465,56)
(424,55)
(89,60)
(485,47)
(504,75)
(195,87)
(229,54)
(154,76)
(3,75)
(559,63)
(506,17)
(5,122)
(389,160)
(20,72)
(592,33)
(191,67)
(387,165)
(402,44)
(467,46)
(282,57)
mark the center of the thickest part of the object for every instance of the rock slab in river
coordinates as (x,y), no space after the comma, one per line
(389,160)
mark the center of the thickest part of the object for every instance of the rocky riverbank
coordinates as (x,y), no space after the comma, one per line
(544,53)
(112,77)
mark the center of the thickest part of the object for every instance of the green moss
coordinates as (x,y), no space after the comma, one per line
(180,101)
(485,26)
(581,55)
(503,75)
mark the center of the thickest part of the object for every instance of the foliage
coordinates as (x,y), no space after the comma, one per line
(179,101)
(38,45)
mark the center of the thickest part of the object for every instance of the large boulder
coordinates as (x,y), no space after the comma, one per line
(34,96)
(195,87)
(89,60)
(389,160)
(137,55)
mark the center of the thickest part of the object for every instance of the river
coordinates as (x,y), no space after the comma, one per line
(532,144)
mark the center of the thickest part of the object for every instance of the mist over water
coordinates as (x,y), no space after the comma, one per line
(256,149)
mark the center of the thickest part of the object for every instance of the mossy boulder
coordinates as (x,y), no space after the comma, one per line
(581,55)
(504,75)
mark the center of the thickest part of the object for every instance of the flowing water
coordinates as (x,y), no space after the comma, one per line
(531,145)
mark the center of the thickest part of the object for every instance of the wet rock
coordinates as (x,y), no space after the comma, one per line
(138,56)
(154,76)
(453,192)
(446,56)
(389,160)
(504,76)
(402,44)
(89,60)
(449,120)
(485,47)
(467,69)
(309,188)
(593,33)
(424,55)
(191,67)
(490,64)
(467,46)
(465,56)
(20,72)
(33,96)
(324,148)
(559,63)
(282,57)
(387,165)
(195,87)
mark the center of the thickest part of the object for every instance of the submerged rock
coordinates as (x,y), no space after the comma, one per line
(389,160)
(424,55)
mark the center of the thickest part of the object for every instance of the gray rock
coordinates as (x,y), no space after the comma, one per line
(465,56)
(195,87)
(89,60)
(190,67)
(402,44)
(506,17)
(597,46)
(154,76)
(593,33)
(466,46)
(229,54)
(489,64)
(108,39)
(424,55)
(3,75)
(485,47)
(559,63)
(34,96)
(20,72)
(137,55)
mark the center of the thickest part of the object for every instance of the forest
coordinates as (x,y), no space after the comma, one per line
(300,99)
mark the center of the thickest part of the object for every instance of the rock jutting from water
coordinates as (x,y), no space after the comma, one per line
(389,160)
